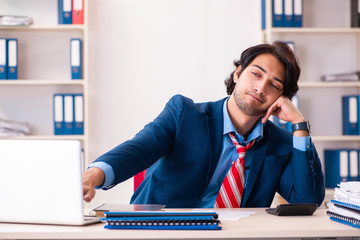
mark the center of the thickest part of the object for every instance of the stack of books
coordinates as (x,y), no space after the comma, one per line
(10,128)
(345,207)
(162,220)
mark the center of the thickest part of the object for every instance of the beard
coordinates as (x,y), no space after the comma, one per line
(248,108)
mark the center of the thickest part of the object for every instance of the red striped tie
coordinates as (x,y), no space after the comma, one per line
(232,188)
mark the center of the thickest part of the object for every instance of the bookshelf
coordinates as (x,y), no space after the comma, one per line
(43,68)
(326,91)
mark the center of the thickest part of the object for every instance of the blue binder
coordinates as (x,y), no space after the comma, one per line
(65,11)
(350,115)
(298,13)
(263,14)
(337,166)
(58,110)
(12,58)
(76,58)
(68,114)
(78,114)
(3,59)
(278,13)
(288,13)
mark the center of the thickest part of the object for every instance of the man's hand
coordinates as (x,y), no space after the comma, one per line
(92,178)
(284,109)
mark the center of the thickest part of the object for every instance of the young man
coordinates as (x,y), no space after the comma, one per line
(189,149)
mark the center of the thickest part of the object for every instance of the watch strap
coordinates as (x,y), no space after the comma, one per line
(300,126)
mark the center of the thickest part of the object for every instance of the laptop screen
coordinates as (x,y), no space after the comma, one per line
(40,181)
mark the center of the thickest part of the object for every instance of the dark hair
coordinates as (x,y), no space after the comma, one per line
(279,50)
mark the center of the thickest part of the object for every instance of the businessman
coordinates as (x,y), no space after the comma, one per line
(224,153)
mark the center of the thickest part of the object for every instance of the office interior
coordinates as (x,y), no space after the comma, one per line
(142,52)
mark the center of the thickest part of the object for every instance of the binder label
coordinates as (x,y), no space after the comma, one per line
(353,110)
(2,52)
(12,53)
(344,164)
(353,164)
(67,5)
(278,7)
(78,5)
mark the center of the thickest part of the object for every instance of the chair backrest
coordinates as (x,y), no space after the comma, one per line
(138,178)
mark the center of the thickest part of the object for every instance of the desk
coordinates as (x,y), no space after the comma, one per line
(260,225)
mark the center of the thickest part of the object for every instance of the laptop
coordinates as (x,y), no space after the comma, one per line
(41,182)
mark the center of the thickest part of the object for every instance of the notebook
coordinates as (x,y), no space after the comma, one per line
(41,182)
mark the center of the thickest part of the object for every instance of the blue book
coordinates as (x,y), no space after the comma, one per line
(278,13)
(162,220)
(58,110)
(298,13)
(346,205)
(344,219)
(3,58)
(78,114)
(65,11)
(68,114)
(337,166)
(350,115)
(76,58)
(12,58)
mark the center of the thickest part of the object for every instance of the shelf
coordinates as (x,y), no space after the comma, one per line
(47,137)
(313,30)
(41,82)
(44,27)
(329,84)
(335,138)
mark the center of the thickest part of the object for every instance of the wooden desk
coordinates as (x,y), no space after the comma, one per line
(260,225)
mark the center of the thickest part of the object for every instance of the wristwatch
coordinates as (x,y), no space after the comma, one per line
(301,126)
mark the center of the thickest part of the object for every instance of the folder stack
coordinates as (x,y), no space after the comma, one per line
(345,206)
(285,13)
(11,128)
(162,220)
(8,58)
(68,114)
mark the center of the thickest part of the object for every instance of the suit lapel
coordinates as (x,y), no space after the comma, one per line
(257,155)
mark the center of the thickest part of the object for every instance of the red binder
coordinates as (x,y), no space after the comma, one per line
(78,12)
(138,178)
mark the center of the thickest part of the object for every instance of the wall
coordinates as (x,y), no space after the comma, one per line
(144,51)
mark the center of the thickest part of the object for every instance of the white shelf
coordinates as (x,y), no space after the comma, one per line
(336,138)
(313,30)
(59,27)
(41,82)
(48,137)
(329,84)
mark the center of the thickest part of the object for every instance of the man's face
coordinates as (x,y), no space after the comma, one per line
(259,85)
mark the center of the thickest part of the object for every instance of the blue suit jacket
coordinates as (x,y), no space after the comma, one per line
(181,149)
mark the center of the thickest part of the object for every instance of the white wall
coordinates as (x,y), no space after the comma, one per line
(144,51)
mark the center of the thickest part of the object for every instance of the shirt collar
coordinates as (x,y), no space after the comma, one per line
(257,132)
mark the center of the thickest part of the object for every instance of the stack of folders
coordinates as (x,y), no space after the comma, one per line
(162,220)
(68,114)
(11,128)
(8,58)
(345,207)
(285,13)
(342,77)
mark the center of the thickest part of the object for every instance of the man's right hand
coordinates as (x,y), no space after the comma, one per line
(91,178)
